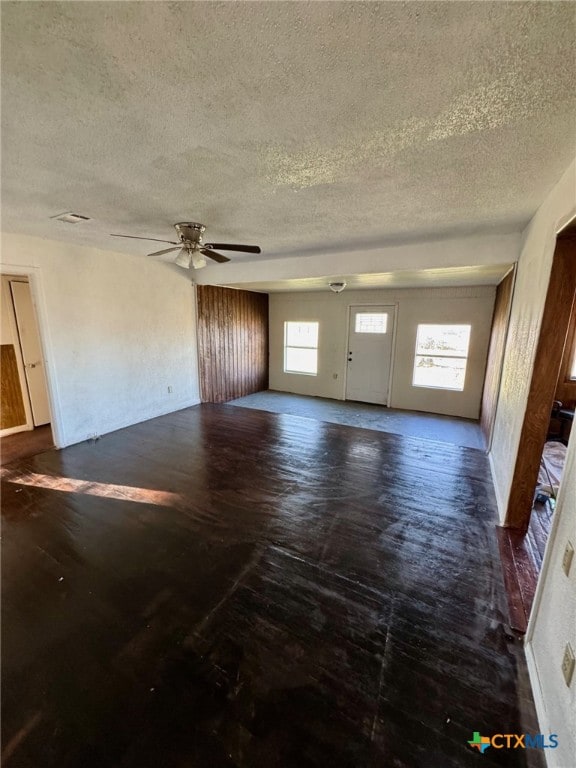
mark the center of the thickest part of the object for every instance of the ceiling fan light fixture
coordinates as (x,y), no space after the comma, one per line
(192,252)
(198,261)
(184,258)
(337,287)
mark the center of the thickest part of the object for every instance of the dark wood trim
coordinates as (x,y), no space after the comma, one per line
(553,331)
(498,337)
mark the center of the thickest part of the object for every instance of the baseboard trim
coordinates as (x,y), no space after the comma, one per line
(106,429)
(499,501)
(541,712)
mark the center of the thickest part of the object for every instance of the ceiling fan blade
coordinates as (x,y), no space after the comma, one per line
(213,255)
(135,237)
(232,247)
(166,250)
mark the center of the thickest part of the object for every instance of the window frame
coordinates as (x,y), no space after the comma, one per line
(296,346)
(571,372)
(465,357)
(359,314)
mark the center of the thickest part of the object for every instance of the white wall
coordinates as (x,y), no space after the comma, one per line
(553,624)
(474,250)
(553,620)
(532,278)
(7,335)
(117,331)
(425,305)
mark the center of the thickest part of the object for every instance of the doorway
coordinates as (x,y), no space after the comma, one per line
(25,423)
(546,371)
(370,345)
(544,434)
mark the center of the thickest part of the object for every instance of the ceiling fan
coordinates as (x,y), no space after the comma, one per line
(192,251)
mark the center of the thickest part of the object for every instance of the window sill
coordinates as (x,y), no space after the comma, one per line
(300,373)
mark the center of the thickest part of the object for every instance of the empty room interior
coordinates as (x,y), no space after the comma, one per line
(288,380)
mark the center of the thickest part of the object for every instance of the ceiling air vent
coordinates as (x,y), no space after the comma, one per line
(71,218)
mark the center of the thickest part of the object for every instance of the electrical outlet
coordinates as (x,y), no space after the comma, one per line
(567,559)
(568,664)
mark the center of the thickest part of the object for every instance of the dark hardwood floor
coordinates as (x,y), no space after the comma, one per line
(23,444)
(228,587)
(522,555)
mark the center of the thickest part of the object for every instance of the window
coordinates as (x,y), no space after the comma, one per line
(441,356)
(301,348)
(371,322)
(572,374)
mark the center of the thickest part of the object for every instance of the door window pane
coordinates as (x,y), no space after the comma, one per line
(371,322)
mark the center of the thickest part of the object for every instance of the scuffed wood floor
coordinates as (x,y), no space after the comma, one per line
(522,555)
(20,445)
(225,587)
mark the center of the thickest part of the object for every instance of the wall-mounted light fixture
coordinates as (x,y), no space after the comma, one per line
(337,287)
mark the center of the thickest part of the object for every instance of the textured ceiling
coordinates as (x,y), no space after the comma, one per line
(303,127)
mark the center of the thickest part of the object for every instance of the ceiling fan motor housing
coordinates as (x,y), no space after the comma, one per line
(188,231)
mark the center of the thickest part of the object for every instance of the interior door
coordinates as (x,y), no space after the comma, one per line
(370,353)
(31,351)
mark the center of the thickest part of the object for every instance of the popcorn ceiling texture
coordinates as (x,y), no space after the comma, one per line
(298,126)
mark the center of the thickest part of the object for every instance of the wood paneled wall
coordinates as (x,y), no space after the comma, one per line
(232,342)
(12,413)
(496,355)
(553,332)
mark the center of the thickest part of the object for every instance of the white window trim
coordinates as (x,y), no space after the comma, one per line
(296,346)
(436,354)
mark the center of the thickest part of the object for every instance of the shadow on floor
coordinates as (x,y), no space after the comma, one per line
(429,426)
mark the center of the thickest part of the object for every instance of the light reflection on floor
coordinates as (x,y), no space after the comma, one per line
(69,485)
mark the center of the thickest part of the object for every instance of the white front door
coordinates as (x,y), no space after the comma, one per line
(31,351)
(370,353)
